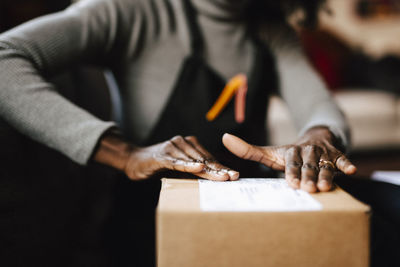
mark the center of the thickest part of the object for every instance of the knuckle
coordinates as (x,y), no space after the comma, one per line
(308,176)
(324,149)
(311,148)
(294,164)
(293,150)
(310,166)
(168,146)
(326,167)
(340,160)
(292,169)
(177,139)
(211,163)
(332,155)
(191,138)
(325,177)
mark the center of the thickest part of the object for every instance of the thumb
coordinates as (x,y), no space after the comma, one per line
(239,147)
(242,149)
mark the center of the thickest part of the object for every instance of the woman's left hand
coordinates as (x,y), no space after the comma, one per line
(309,164)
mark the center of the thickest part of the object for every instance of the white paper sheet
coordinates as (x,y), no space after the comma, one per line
(392,177)
(254,194)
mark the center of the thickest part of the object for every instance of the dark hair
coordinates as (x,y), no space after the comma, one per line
(279,10)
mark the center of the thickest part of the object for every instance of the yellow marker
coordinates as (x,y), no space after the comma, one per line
(229,91)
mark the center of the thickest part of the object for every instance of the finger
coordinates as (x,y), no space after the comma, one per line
(190,166)
(293,164)
(209,159)
(218,167)
(241,148)
(344,164)
(309,171)
(270,156)
(186,147)
(172,150)
(214,175)
(325,176)
(196,144)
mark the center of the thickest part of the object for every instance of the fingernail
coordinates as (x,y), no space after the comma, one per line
(351,169)
(296,181)
(311,186)
(233,174)
(323,184)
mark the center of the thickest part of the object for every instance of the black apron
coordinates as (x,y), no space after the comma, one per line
(196,90)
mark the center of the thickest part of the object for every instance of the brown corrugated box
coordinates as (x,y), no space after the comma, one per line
(337,235)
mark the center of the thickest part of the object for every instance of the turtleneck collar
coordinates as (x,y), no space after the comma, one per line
(221,9)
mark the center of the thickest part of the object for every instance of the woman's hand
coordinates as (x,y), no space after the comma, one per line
(309,164)
(183,154)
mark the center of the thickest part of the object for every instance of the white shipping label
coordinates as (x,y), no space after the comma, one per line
(254,194)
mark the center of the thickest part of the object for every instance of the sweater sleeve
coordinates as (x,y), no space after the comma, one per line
(84,33)
(304,91)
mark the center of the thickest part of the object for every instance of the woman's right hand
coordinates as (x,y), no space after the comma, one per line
(184,154)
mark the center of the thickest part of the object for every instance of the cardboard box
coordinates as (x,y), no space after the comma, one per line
(337,235)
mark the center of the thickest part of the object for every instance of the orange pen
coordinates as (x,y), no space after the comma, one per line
(237,83)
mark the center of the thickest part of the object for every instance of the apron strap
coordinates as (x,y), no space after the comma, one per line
(196,38)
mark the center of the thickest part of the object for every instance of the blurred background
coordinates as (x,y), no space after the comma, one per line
(14,12)
(356,48)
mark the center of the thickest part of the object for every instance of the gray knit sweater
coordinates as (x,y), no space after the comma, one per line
(144,43)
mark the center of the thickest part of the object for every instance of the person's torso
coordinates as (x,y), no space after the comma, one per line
(147,79)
